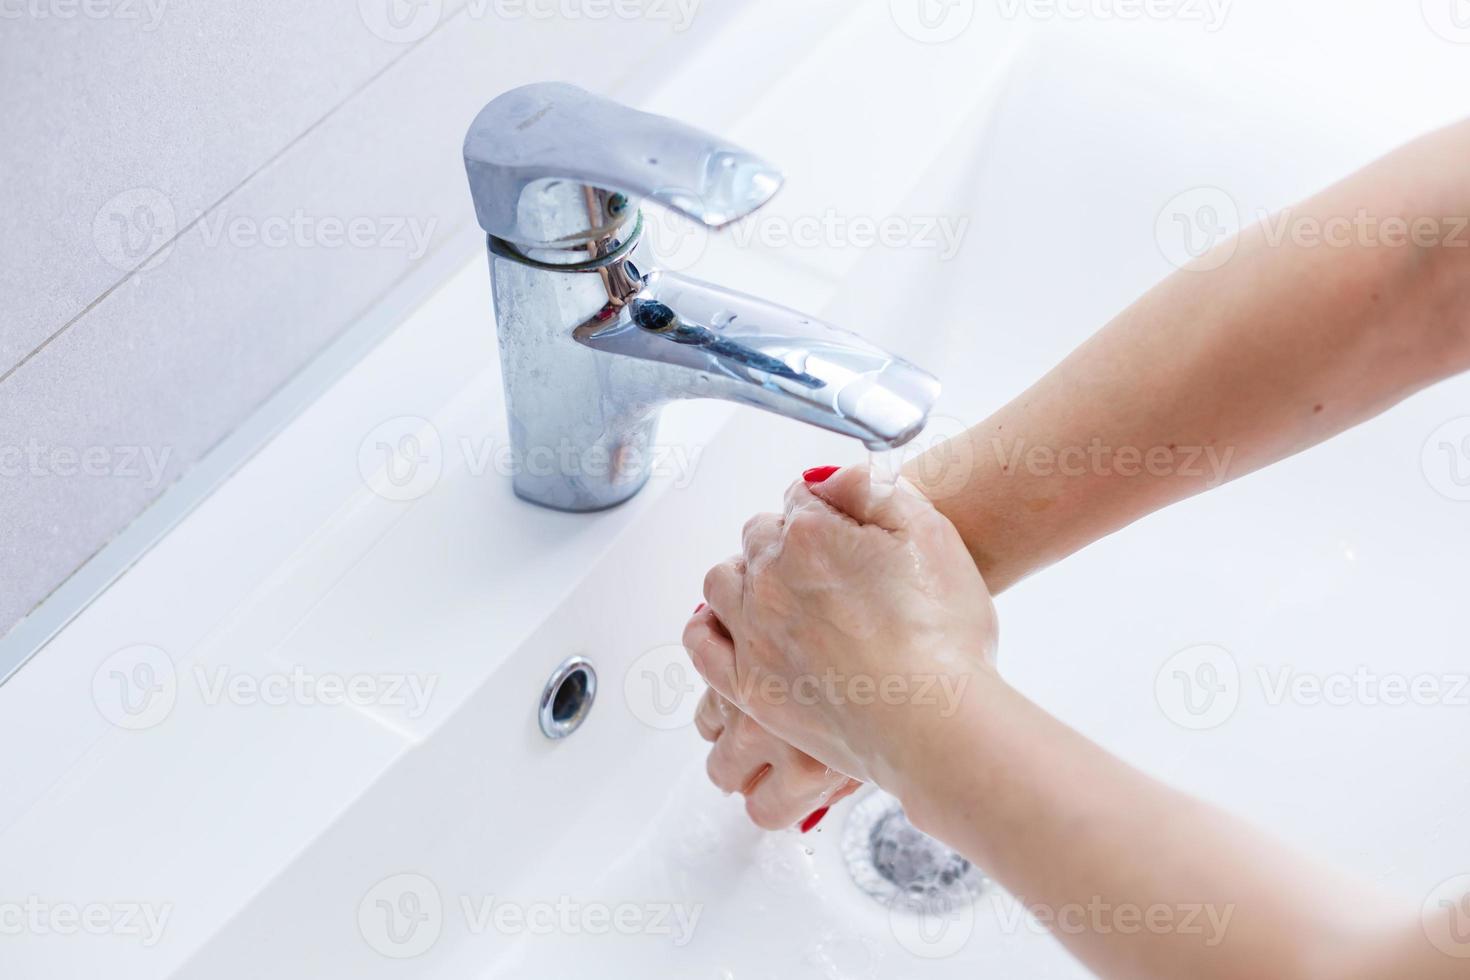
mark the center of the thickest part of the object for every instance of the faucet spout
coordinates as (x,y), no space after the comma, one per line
(699,340)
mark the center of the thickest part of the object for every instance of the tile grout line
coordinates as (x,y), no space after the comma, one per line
(210,209)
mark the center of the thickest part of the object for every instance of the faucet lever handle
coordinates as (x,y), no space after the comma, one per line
(539,138)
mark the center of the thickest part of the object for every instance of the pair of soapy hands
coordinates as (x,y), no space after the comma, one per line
(824,641)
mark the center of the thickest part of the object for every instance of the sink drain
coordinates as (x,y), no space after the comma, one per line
(567,697)
(899,865)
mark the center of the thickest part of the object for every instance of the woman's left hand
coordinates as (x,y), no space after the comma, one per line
(781,784)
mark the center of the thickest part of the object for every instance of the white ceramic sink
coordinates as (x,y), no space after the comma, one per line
(437,833)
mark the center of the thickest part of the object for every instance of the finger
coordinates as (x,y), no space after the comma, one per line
(844,791)
(711,651)
(742,757)
(761,532)
(850,491)
(724,590)
(809,823)
(796,785)
(709,718)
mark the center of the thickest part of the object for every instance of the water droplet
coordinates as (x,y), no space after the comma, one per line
(785,865)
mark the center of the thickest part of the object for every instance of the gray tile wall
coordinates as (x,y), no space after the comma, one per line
(198,197)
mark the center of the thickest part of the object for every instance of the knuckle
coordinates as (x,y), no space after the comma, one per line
(713,577)
(693,632)
(723,767)
(747,737)
(708,728)
(758,531)
(796,495)
(708,717)
(805,527)
(715,772)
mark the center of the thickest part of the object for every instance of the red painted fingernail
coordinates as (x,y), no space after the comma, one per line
(814,819)
(698,608)
(819,473)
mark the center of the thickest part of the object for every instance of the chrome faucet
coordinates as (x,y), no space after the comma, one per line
(594,340)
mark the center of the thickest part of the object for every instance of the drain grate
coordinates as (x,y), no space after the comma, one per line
(899,865)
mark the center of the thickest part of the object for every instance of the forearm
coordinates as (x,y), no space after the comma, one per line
(1217,373)
(1138,880)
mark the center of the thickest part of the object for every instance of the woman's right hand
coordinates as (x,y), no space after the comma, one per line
(851,627)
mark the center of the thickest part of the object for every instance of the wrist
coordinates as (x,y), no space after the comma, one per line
(932,760)
(978,498)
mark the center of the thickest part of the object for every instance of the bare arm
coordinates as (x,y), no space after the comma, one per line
(1139,880)
(1274,350)
(1217,373)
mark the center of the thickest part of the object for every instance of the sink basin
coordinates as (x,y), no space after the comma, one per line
(428,829)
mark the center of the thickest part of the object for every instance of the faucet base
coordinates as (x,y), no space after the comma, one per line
(537,495)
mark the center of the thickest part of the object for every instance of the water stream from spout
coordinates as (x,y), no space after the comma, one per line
(884,468)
